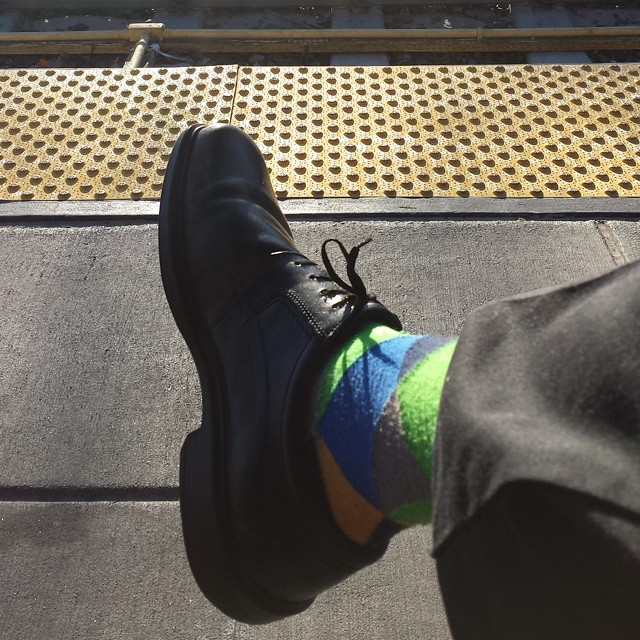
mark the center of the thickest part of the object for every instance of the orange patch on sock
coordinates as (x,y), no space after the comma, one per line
(357,517)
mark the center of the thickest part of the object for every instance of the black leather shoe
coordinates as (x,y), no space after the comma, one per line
(261,321)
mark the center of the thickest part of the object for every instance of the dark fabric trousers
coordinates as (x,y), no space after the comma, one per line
(537,466)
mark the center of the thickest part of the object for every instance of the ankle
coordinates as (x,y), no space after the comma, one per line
(375,428)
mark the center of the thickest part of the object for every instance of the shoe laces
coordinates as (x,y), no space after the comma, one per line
(355,288)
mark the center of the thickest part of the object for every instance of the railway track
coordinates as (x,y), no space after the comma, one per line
(87,34)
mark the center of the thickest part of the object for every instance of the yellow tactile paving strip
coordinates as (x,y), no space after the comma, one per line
(493,131)
(85,134)
(511,131)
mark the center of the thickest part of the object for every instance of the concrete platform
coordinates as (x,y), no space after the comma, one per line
(117,571)
(97,391)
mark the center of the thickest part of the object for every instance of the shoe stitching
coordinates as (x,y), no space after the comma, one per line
(297,300)
(293,312)
(223,313)
(264,360)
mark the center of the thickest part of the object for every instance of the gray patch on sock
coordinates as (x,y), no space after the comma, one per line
(399,478)
(419,351)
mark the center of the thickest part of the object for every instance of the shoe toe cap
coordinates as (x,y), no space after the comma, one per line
(223,153)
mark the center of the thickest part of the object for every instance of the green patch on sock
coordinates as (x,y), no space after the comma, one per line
(419,394)
(419,512)
(368,337)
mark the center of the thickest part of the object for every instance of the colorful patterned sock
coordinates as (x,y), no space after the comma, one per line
(375,429)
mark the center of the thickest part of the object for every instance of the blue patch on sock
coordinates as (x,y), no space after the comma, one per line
(348,424)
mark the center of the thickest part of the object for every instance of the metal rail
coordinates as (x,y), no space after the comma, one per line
(185,5)
(322,40)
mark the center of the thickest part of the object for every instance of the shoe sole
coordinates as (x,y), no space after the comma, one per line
(214,556)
